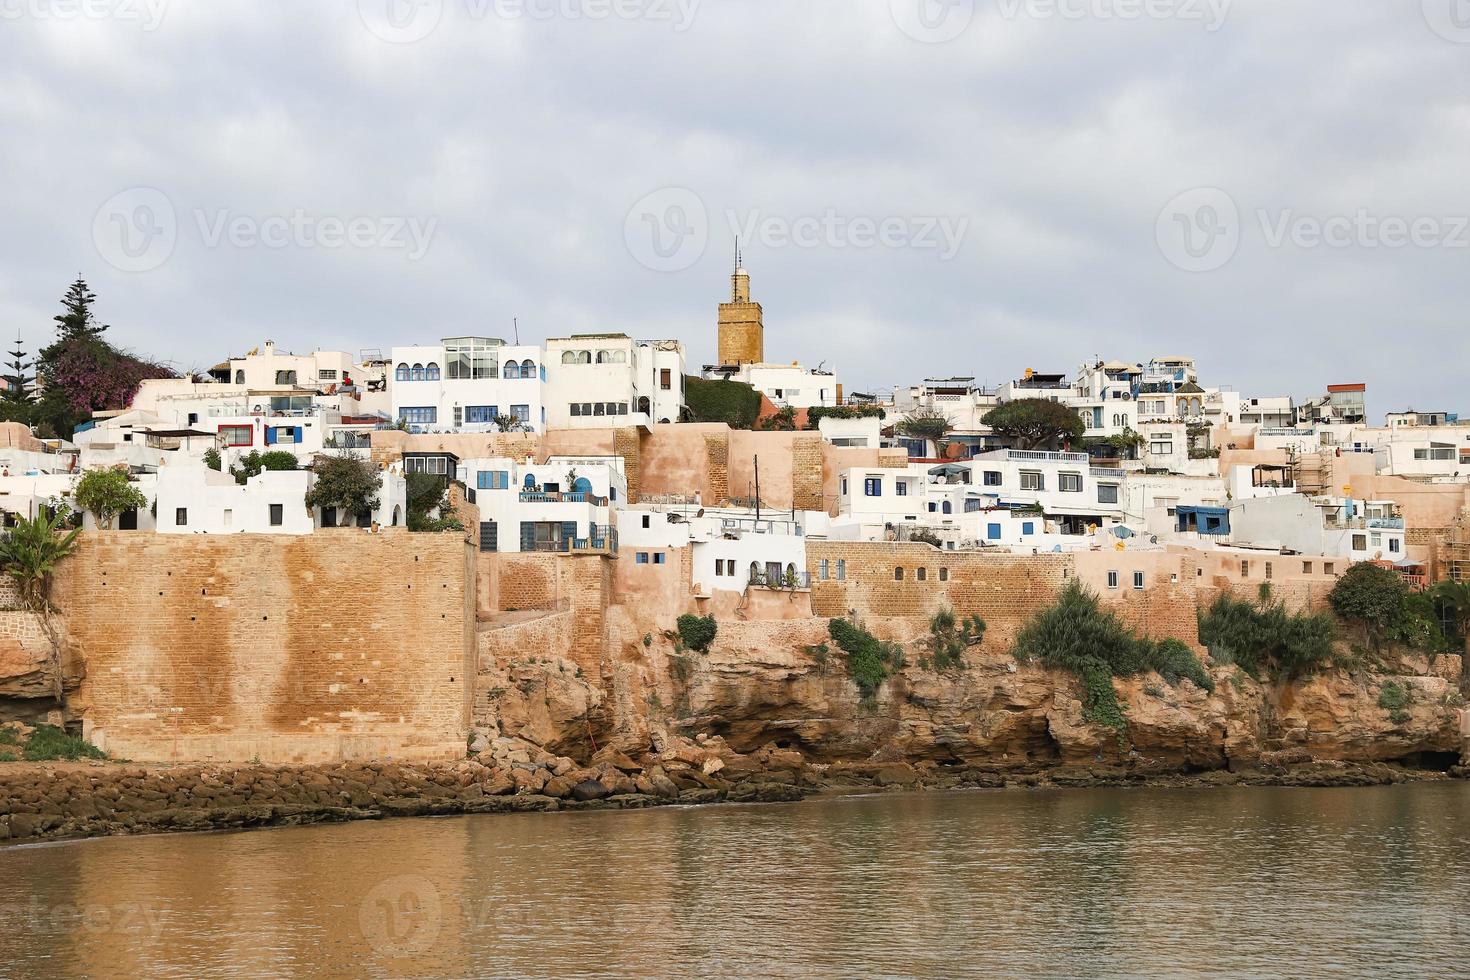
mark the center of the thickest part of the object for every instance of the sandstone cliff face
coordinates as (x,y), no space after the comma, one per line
(768,683)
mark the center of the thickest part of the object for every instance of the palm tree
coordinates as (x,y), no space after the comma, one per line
(29,554)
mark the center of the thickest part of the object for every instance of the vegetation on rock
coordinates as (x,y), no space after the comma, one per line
(697,632)
(951,639)
(29,554)
(1264,634)
(869,659)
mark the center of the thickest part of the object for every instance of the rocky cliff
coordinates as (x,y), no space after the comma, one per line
(774,684)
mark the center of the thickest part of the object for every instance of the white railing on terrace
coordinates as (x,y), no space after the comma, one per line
(1276,431)
(1035,455)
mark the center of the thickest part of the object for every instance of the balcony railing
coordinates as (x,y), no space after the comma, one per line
(786,580)
(600,537)
(560,497)
(1387,523)
(1039,456)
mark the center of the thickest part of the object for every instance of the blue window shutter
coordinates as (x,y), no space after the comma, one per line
(992,531)
(568,531)
(270,436)
(1027,527)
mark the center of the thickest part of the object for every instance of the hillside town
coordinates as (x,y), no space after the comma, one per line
(610,443)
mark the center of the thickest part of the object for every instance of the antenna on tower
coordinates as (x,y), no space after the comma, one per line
(515,324)
(737,253)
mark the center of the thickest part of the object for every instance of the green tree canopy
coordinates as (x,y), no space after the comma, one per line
(344,481)
(1370,595)
(106,494)
(1035,423)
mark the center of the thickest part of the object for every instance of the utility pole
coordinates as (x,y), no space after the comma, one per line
(757,488)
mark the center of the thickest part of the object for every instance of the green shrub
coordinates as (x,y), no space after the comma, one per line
(816,414)
(950,639)
(869,660)
(1371,596)
(1394,698)
(697,632)
(254,462)
(1078,636)
(733,402)
(51,744)
(1257,635)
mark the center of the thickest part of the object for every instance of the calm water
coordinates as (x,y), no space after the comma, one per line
(1248,882)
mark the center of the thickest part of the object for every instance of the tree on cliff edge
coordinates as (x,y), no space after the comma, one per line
(29,554)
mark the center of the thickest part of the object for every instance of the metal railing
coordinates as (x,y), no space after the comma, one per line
(600,537)
(562,497)
(1037,455)
(786,580)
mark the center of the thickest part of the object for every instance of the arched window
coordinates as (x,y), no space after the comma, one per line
(528,368)
(511,370)
(898,574)
(584,357)
(401,374)
(644,405)
(604,357)
(239,377)
(581,485)
(417,372)
(618,357)
(755,572)
(569,357)
(947,507)
(431,373)
(530,480)
(790,572)
(395,515)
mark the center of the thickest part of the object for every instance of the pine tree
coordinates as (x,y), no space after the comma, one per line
(78,321)
(18,382)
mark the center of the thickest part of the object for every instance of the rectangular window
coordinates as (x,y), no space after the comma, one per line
(492,480)
(665,378)
(521,413)
(236,435)
(1032,480)
(1069,482)
(419,415)
(480,414)
(1269,571)
(647,521)
(1306,568)
(1393,546)
(992,532)
(841,569)
(576,409)
(1245,569)
(1107,493)
(822,569)
(1112,580)
(944,575)
(1161,447)
(1138,580)
(898,574)
(489,536)
(873,486)
(922,574)
(1028,527)
(181,517)
(992,478)
(844,486)
(1360,542)
(658,557)
(641,558)
(229,517)
(901,488)
(286,435)
(278,515)
(1329,568)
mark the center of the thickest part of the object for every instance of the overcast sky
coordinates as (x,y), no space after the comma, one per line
(926,187)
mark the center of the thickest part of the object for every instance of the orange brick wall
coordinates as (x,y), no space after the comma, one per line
(313,648)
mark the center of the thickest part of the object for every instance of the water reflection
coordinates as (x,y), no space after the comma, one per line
(1062,883)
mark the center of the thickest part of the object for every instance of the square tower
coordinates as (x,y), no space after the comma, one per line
(742,331)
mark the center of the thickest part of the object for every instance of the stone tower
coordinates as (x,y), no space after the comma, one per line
(742,332)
